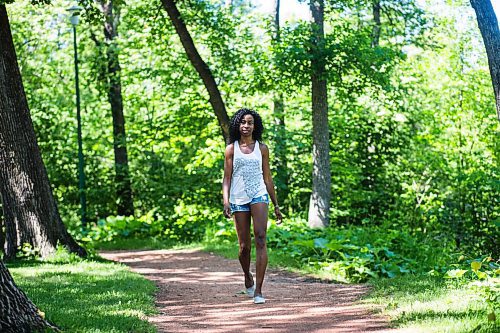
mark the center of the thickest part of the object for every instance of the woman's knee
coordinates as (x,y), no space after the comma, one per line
(245,248)
(260,239)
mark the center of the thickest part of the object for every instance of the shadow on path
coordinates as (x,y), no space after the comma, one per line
(202,292)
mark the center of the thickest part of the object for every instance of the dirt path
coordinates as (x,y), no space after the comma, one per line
(200,292)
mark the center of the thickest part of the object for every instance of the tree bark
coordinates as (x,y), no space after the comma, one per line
(319,205)
(17,313)
(281,155)
(111,11)
(200,66)
(30,210)
(488,25)
(2,234)
(377,25)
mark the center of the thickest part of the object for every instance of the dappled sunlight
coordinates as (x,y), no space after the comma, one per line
(201,292)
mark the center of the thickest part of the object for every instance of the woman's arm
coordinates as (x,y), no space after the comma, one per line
(226,182)
(268,180)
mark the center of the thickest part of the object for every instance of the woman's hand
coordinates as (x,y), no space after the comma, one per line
(279,217)
(227,210)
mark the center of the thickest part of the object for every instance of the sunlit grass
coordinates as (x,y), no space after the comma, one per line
(88,296)
(134,244)
(430,304)
(142,244)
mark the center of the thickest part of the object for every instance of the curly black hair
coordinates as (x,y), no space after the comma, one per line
(234,126)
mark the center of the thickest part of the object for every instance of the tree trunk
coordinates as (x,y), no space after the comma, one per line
(200,66)
(2,234)
(377,25)
(488,25)
(30,211)
(319,205)
(111,12)
(281,155)
(17,313)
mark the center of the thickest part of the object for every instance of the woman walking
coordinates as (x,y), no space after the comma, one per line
(246,189)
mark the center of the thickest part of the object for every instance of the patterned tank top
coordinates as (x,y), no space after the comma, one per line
(247,181)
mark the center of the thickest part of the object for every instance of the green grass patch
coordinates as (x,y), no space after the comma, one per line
(88,296)
(134,244)
(431,304)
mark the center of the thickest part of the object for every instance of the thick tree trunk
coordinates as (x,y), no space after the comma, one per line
(200,66)
(2,234)
(319,206)
(17,313)
(30,211)
(122,176)
(488,25)
(377,25)
(281,155)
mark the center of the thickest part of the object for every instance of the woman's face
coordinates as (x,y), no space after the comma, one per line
(247,125)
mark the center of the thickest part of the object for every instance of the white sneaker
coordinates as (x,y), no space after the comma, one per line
(259,300)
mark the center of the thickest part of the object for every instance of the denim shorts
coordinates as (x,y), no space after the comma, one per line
(246,207)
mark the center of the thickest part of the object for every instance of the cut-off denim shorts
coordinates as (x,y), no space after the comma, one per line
(246,207)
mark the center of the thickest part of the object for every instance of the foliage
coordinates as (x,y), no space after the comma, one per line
(347,254)
(413,140)
(413,133)
(482,276)
(186,225)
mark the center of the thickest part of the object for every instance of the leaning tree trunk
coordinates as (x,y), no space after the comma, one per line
(17,313)
(200,66)
(488,25)
(111,12)
(281,155)
(319,205)
(30,211)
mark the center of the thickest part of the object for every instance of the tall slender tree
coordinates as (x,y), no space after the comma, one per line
(319,205)
(279,121)
(111,11)
(488,24)
(30,210)
(377,25)
(200,65)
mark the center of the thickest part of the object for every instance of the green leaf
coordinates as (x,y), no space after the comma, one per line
(455,273)
(475,265)
(320,243)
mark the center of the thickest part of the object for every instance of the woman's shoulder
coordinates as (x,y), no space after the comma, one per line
(263,148)
(230,149)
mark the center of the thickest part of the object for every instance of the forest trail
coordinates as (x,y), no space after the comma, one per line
(202,292)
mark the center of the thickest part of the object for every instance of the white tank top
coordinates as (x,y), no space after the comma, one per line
(247,181)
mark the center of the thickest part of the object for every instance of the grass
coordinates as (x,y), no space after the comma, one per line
(430,304)
(134,244)
(90,296)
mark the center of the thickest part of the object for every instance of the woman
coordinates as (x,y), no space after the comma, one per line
(246,189)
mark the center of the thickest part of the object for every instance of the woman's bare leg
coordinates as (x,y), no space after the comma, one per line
(259,215)
(242,224)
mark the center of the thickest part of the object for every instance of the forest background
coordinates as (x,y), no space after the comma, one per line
(412,129)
